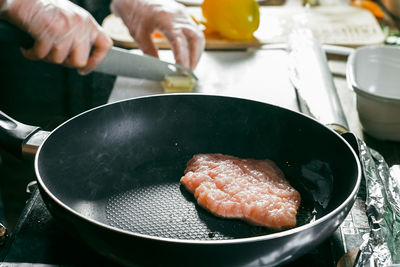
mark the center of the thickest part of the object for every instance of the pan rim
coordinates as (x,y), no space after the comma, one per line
(271,236)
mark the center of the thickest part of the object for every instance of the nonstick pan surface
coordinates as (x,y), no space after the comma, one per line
(112,175)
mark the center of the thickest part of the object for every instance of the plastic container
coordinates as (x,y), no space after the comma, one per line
(374,74)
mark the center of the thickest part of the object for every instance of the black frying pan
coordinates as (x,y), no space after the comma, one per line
(111,175)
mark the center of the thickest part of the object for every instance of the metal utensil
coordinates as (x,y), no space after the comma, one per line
(120,62)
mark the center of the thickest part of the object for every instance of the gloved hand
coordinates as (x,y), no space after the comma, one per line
(143,17)
(64,33)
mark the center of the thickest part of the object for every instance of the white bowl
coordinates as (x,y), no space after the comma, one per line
(374,74)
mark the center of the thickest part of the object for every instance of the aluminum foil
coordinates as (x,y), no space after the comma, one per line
(382,246)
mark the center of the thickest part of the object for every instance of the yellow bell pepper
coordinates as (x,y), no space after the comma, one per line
(232,19)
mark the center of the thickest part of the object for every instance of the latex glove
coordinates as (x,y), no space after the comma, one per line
(143,17)
(64,33)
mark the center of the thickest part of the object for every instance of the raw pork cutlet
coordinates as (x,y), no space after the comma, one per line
(252,190)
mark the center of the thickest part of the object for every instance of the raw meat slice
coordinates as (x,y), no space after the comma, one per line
(248,189)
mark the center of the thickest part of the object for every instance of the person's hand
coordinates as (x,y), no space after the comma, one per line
(143,17)
(64,33)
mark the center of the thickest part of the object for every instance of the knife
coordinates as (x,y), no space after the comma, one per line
(122,62)
(118,61)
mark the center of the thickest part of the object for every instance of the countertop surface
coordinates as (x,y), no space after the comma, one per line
(256,74)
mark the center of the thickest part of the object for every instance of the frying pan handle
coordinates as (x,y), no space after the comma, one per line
(14,135)
(12,35)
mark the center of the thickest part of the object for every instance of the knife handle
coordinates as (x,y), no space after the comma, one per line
(10,34)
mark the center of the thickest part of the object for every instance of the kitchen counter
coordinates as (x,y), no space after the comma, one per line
(254,74)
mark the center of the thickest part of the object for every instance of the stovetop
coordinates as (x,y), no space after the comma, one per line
(39,239)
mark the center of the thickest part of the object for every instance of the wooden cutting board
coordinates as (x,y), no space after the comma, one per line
(336,25)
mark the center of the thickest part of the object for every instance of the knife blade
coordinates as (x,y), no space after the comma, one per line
(118,61)
(122,62)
